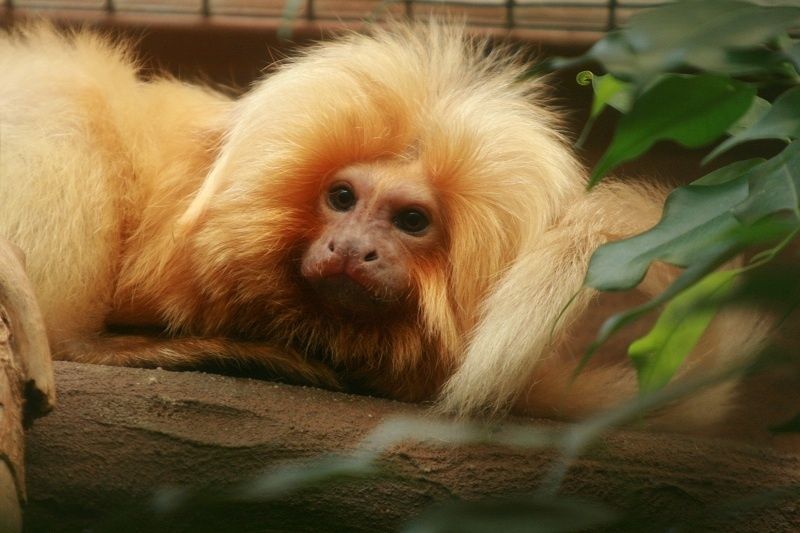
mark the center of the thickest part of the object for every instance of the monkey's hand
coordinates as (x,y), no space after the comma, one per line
(192,352)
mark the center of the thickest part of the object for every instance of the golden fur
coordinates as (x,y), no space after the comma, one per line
(158,203)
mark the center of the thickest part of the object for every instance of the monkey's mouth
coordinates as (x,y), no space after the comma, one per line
(343,293)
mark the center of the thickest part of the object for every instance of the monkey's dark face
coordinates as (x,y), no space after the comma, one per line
(378,221)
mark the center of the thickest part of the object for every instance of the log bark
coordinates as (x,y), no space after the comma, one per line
(11,441)
(26,378)
(122,434)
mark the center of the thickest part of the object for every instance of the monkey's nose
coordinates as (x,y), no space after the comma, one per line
(353,250)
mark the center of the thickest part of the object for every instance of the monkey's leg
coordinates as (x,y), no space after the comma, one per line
(190,352)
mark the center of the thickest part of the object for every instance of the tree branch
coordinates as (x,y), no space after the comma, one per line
(120,434)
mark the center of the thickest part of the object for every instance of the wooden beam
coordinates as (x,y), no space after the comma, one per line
(120,435)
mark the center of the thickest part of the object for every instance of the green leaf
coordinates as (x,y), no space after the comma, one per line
(701,214)
(756,62)
(690,110)
(781,121)
(774,187)
(608,90)
(725,246)
(703,225)
(690,33)
(793,55)
(694,217)
(529,514)
(727,173)
(717,254)
(614,52)
(659,354)
(757,110)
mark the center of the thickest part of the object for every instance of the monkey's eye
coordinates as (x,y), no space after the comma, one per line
(341,198)
(412,221)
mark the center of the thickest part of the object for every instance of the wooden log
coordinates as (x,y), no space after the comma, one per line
(11,445)
(26,378)
(122,434)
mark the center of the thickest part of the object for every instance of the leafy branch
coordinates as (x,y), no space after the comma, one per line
(731,75)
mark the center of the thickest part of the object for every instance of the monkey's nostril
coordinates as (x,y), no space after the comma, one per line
(330,246)
(372,256)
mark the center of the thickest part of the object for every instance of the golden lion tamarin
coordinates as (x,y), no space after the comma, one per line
(394,211)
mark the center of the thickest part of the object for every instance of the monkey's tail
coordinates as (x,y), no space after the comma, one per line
(190,352)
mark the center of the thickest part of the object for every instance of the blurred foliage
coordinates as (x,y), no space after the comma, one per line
(532,514)
(697,73)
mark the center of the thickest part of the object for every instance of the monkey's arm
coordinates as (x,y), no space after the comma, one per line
(191,352)
(531,308)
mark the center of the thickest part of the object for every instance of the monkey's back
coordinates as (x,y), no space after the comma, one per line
(78,149)
(56,156)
